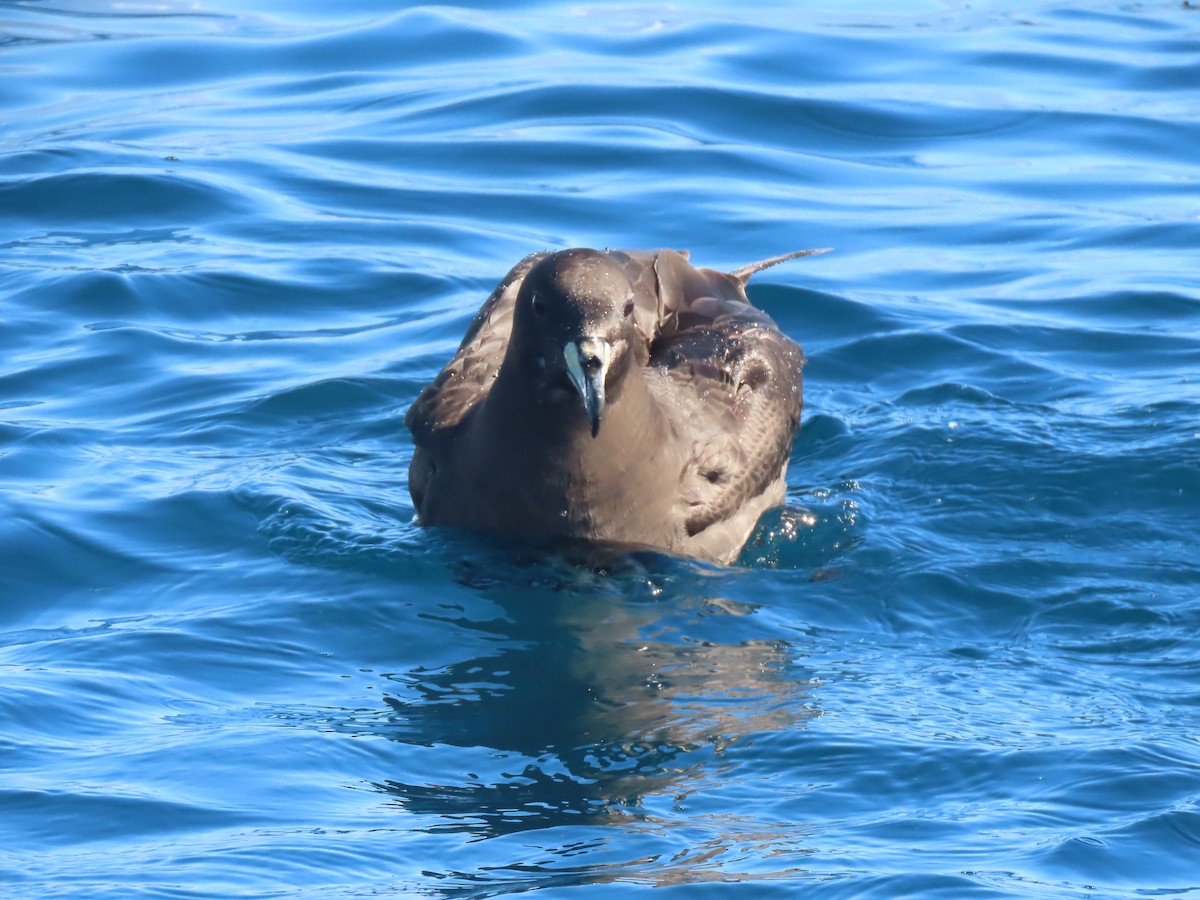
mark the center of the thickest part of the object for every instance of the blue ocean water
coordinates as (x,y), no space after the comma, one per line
(236,240)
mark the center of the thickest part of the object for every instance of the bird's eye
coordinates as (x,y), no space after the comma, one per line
(629,307)
(539,305)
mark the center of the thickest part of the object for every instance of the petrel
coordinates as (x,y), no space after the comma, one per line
(621,397)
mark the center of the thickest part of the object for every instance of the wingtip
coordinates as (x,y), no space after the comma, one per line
(743,274)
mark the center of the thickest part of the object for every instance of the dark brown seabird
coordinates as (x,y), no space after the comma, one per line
(622,397)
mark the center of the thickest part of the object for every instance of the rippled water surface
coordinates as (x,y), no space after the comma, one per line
(236,239)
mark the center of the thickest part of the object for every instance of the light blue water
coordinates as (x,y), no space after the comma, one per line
(236,239)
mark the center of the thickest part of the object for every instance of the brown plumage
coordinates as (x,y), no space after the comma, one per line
(621,396)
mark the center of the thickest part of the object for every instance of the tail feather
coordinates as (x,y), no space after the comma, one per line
(743,274)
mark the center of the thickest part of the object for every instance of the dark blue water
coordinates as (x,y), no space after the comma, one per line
(236,239)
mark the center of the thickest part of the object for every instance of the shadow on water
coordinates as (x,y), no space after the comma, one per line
(610,690)
(597,694)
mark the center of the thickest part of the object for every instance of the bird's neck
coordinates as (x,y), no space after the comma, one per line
(550,459)
(560,430)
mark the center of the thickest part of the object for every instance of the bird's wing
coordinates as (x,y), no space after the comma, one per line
(732,384)
(466,379)
(640,267)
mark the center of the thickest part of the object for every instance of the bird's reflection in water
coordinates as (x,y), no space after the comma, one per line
(595,700)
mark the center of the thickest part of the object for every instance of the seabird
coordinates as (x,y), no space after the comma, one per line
(622,397)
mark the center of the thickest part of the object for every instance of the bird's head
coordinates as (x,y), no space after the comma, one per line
(573,330)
